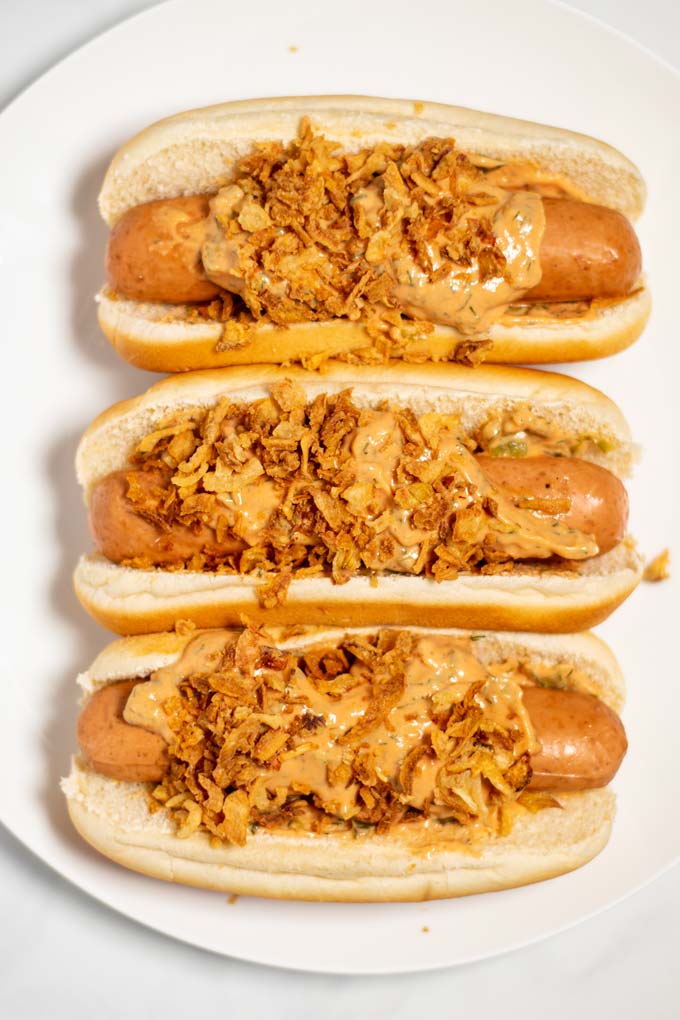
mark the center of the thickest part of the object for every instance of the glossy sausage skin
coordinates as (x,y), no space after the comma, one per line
(598,506)
(113,747)
(582,741)
(586,251)
(154,250)
(153,253)
(598,500)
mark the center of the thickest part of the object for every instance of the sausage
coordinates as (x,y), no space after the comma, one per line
(598,499)
(112,746)
(120,533)
(582,740)
(587,251)
(598,507)
(153,254)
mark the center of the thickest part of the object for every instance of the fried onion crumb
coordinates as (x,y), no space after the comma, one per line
(658,569)
(292,463)
(244,723)
(310,231)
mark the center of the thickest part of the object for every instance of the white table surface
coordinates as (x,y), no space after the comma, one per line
(63,955)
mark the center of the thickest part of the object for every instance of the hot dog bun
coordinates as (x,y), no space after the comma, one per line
(113,815)
(132,601)
(193,152)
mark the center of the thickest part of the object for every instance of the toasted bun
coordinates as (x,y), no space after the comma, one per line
(194,152)
(132,601)
(114,818)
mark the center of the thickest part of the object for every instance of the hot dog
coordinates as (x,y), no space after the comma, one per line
(368,228)
(489,499)
(595,503)
(425,749)
(154,253)
(581,739)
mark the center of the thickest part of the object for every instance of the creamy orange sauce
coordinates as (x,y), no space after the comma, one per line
(512,200)
(519,533)
(174,223)
(461,299)
(375,448)
(144,707)
(528,176)
(247,497)
(250,508)
(220,258)
(442,665)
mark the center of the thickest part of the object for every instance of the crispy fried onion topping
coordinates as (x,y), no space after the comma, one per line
(303,232)
(343,737)
(321,488)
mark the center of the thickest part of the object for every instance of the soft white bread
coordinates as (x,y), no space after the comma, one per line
(191,153)
(195,152)
(131,601)
(110,815)
(448,389)
(113,816)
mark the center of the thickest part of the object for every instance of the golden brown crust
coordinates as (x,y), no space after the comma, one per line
(130,601)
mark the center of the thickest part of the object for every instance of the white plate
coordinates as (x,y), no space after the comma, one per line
(526,58)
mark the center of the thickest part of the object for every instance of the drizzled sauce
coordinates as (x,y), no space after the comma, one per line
(221,257)
(440,663)
(458,297)
(250,507)
(375,449)
(461,298)
(528,177)
(145,705)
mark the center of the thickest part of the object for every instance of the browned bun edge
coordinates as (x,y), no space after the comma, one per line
(156,338)
(113,817)
(131,601)
(472,394)
(193,152)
